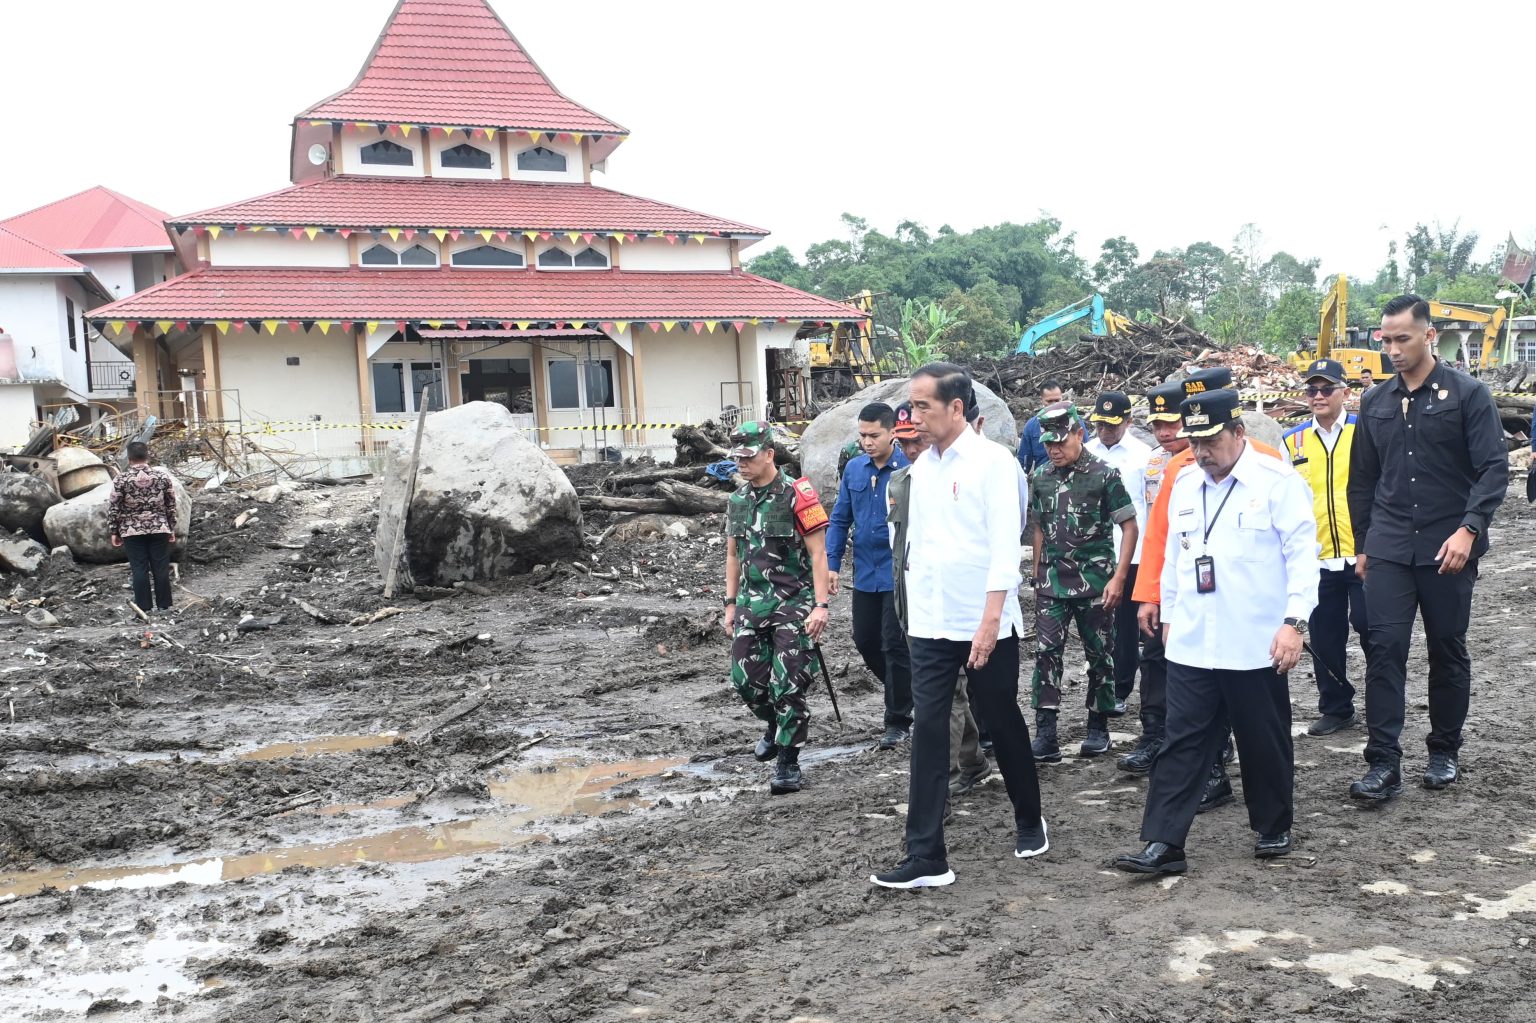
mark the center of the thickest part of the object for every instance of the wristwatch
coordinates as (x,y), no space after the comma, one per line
(729,601)
(1471,528)
(1299,624)
(823,604)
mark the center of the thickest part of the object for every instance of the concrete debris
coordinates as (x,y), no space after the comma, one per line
(24,501)
(20,553)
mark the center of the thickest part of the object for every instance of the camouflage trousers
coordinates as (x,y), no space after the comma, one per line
(1097,627)
(771,672)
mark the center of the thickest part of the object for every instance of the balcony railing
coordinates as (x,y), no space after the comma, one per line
(114,377)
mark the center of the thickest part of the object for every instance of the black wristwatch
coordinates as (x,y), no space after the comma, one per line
(1299,624)
(823,604)
(729,601)
(1469,527)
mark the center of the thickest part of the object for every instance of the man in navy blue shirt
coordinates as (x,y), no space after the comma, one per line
(861,509)
(1031,448)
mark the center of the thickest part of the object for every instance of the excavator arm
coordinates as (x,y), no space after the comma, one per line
(1492,323)
(1092,306)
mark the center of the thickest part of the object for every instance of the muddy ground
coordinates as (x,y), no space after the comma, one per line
(538,804)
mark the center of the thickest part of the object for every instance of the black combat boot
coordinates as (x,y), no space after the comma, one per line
(1097,739)
(1139,760)
(1045,747)
(767,748)
(786,776)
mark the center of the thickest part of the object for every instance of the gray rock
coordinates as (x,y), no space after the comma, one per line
(824,438)
(24,500)
(1263,429)
(488,503)
(41,618)
(81,525)
(20,553)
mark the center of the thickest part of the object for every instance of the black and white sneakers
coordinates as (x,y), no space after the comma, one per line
(915,873)
(1032,841)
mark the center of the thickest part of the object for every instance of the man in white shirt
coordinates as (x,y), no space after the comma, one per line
(1111,419)
(1239,580)
(962,583)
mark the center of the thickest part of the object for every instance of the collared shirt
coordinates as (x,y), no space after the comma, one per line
(142,502)
(861,507)
(1424,464)
(963,539)
(1263,543)
(1130,456)
(1294,441)
(1031,447)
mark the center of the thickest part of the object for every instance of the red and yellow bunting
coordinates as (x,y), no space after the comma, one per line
(270,326)
(310,232)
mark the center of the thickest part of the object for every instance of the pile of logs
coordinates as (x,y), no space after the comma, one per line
(665,489)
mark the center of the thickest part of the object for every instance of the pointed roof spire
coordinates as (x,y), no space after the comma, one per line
(454,62)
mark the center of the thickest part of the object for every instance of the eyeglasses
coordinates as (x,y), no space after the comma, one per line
(1324,391)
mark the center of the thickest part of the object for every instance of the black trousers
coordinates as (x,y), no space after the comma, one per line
(1200,703)
(995,691)
(1127,642)
(149,556)
(1394,593)
(1154,683)
(1340,607)
(883,646)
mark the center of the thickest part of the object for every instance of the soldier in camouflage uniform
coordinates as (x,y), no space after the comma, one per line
(775,597)
(1075,501)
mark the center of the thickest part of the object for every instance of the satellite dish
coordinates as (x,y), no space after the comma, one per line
(319,153)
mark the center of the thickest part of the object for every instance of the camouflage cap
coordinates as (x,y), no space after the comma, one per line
(1058,421)
(750,438)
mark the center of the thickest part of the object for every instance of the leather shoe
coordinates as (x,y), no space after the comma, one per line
(894,736)
(1156,858)
(766,749)
(1269,846)
(1139,760)
(1330,723)
(1218,791)
(1118,711)
(1381,783)
(1442,770)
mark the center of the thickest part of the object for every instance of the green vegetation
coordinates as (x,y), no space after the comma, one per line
(973,293)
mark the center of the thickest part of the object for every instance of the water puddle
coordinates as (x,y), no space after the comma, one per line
(535,795)
(1343,969)
(321,745)
(159,973)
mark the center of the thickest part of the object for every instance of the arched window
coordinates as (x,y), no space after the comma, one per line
(555,257)
(388,154)
(380,255)
(467,157)
(487,255)
(590,257)
(418,255)
(540,159)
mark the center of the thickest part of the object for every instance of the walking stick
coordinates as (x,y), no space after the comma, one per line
(828,676)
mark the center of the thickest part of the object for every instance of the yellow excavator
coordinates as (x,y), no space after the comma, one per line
(1333,339)
(1491,320)
(847,359)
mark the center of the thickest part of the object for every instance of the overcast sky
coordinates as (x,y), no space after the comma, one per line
(1332,126)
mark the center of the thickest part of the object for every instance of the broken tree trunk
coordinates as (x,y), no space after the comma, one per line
(626,504)
(692,500)
(620,480)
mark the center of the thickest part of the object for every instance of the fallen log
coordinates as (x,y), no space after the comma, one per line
(620,480)
(463,708)
(601,502)
(692,500)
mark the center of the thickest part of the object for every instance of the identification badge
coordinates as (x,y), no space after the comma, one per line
(1205,574)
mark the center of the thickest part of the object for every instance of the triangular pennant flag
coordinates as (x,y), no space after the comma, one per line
(463,324)
(393,232)
(755,322)
(671,239)
(620,237)
(621,325)
(318,124)
(506,324)
(534,136)
(165,325)
(587,237)
(346,326)
(577,136)
(271,326)
(362,125)
(199,231)
(345,232)
(181,325)
(181,229)
(215,230)
(455,233)
(435,324)
(654,326)
(222,326)
(297,232)
(698,238)
(501,236)
(373,325)
(530,235)
(405,129)
(439,233)
(490,134)
(293,326)
(401,325)
(667,325)
(308,325)
(310,232)
(606,326)
(564,136)
(522,324)
(324,325)
(710,325)
(409,233)
(572,236)
(117,326)
(698,326)
(738,325)
(237,326)
(486,234)
(577,324)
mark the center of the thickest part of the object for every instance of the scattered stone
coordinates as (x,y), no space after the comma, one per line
(251,623)
(426,593)
(24,501)
(20,553)
(41,618)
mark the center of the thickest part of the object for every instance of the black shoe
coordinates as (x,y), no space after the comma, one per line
(1118,711)
(766,748)
(1442,770)
(1044,747)
(1330,723)
(787,777)
(1097,739)
(1381,783)
(1156,858)
(970,779)
(1218,790)
(894,736)
(986,747)
(911,873)
(1032,841)
(1228,752)
(1270,846)
(1139,760)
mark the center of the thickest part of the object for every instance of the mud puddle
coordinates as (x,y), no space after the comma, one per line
(551,792)
(321,745)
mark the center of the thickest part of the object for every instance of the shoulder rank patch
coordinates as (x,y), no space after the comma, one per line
(809,514)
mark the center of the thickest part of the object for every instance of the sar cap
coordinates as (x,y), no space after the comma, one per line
(1163,403)
(1110,407)
(1203,381)
(750,438)
(905,429)
(1206,415)
(1328,369)
(1058,421)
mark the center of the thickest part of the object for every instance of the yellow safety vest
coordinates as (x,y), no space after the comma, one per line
(1327,473)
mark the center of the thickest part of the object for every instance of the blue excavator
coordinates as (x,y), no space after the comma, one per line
(1103,322)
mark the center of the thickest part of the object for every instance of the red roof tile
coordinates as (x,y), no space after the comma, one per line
(454,62)
(361,201)
(246,293)
(95,220)
(23,255)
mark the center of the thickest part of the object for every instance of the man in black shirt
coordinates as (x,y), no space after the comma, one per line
(1427,471)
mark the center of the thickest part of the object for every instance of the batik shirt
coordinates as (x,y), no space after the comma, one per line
(142,502)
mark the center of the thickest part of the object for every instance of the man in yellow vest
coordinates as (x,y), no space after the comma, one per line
(1320,450)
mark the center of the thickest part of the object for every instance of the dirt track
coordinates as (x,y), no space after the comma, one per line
(623,859)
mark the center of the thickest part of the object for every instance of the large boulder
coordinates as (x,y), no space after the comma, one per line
(488,502)
(81,525)
(24,500)
(20,553)
(1263,429)
(824,438)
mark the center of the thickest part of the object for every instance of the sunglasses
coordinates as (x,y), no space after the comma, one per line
(1324,391)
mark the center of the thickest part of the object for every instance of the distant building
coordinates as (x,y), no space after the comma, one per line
(443,233)
(57,262)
